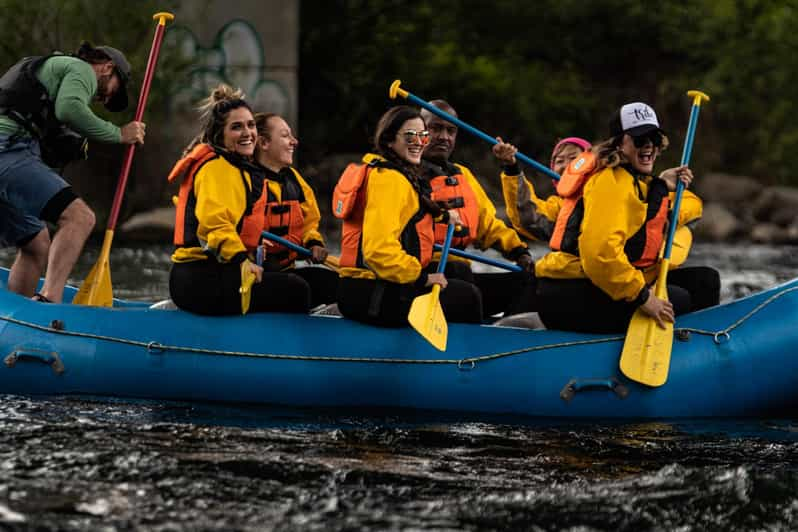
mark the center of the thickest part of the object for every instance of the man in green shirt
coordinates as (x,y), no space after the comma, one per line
(39,97)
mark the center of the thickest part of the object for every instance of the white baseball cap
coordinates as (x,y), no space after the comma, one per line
(634,119)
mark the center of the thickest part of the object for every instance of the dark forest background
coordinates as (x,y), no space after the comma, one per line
(529,71)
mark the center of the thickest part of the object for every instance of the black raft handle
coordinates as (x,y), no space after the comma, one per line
(48,358)
(577,385)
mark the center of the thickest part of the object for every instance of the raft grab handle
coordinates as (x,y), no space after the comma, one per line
(577,385)
(48,358)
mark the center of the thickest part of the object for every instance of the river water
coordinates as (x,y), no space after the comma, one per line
(80,464)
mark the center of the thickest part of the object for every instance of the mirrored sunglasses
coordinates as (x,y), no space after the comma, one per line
(410,134)
(655,137)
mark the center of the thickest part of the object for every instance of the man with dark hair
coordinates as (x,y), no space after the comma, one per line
(44,117)
(455,188)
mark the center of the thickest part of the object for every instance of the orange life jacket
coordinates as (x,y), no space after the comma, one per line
(450,190)
(349,204)
(252,222)
(642,248)
(285,218)
(566,229)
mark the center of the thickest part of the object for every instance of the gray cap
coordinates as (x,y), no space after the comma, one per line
(118,101)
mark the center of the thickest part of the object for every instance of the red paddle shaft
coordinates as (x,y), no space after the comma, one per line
(131,148)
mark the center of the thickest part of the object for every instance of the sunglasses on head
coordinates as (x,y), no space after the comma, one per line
(655,137)
(410,134)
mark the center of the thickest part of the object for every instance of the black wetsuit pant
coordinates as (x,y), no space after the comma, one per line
(510,292)
(323,284)
(579,305)
(387,304)
(212,288)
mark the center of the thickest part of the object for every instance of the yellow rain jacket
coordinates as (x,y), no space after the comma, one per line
(291,212)
(613,214)
(396,234)
(519,195)
(210,213)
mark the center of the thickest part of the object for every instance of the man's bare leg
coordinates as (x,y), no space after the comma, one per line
(74,227)
(29,265)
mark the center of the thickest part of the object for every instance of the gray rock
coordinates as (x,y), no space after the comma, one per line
(777,205)
(717,224)
(151,226)
(767,233)
(729,190)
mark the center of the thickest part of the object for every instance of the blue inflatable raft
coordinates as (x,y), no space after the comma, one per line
(738,359)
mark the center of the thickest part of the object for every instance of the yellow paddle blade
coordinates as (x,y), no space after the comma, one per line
(426,317)
(646,355)
(96,289)
(247,280)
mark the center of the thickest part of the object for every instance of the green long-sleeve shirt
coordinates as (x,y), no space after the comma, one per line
(71,84)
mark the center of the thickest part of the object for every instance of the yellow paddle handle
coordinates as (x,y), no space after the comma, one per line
(395,90)
(162,17)
(698,97)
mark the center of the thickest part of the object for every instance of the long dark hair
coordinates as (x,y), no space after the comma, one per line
(387,128)
(213,113)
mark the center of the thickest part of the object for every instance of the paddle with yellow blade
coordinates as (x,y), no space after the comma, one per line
(646,354)
(396,90)
(96,289)
(426,314)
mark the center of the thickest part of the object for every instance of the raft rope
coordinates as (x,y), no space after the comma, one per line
(464,363)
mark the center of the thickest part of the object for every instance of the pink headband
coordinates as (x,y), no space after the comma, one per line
(576,141)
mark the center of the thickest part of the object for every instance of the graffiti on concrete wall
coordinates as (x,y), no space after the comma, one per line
(235,57)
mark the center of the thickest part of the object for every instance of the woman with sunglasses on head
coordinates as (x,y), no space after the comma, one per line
(388,236)
(291,209)
(220,216)
(610,230)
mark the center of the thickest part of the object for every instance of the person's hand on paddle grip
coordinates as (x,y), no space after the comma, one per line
(437,278)
(318,254)
(683,173)
(504,151)
(526,263)
(254,268)
(133,133)
(659,309)
(454,218)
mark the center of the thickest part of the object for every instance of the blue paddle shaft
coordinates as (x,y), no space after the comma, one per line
(287,243)
(677,201)
(484,260)
(446,245)
(484,136)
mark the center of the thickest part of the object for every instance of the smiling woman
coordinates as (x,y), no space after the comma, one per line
(221,212)
(387,239)
(609,232)
(291,209)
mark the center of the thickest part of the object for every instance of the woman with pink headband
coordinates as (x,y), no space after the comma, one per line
(531,216)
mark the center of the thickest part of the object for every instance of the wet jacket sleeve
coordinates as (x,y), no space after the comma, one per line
(221,202)
(75,93)
(531,216)
(390,204)
(492,232)
(605,230)
(311,215)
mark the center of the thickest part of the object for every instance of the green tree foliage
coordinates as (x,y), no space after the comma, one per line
(536,71)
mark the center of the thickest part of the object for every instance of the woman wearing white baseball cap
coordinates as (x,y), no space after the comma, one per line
(610,230)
